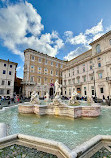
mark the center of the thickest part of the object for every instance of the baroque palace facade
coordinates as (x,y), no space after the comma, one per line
(40,73)
(89,73)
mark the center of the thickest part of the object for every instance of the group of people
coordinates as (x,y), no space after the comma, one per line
(15,99)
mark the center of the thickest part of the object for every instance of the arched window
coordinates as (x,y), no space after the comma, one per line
(98,48)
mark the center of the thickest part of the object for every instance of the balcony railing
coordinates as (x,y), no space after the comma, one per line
(28,82)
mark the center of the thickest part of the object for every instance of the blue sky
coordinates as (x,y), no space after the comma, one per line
(61,28)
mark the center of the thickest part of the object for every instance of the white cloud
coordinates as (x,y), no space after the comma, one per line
(80,39)
(68,33)
(97,36)
(83,40)
(20,27)
(18,68)
(108,28)
(76,52)
(94,30)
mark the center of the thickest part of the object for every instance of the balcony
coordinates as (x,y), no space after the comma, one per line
(28,83)
(78,84)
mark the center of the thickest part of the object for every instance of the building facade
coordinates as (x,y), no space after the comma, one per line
(7,76)
(40,73)
(90,73)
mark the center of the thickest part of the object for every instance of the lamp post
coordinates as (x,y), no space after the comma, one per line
(94,84)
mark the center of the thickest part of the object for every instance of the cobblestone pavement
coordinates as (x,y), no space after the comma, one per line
(18,151)
(102,153)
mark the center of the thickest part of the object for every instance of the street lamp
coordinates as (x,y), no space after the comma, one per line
(94,85)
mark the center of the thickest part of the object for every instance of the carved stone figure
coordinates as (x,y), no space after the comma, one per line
(89,100)
(73,99)
(34,98)
(57,89)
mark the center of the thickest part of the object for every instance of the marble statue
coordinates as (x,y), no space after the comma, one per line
(57,89)
(34,98)
(73,99)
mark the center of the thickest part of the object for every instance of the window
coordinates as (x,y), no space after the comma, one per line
(5,65)
(56,64)
(92,89)
(45,80)
(56,73)
(99,64)
(77,71)
(73,80)
(51,72)
(39,79)
(100,75)
(51,63)
(98,48)
(83,69)
(69,81)
(102,90)
(9,83)
(90,67)
(39,60)
(32,79)
(90,61)
(1,91)
(69,91)
(32,68)
(46,62)
(61,66)
(10,72)
(98,58)
(10,66)
(39,70)
(110,41)
(51,81)
(3,82)
(4,72)
(73,71)
(46,71)
(65,82)
(84,78)
(78,80)
(32,58)
(85,93)
(8,91)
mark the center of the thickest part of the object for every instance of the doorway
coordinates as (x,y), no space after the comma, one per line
(51,92)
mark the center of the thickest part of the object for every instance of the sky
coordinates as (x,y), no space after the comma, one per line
(59,28)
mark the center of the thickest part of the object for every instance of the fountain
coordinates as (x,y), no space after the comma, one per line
(58,107)
(73,101)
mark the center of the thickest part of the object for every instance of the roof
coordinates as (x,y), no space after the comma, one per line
(83,54)
(8,61)
(29,49)
(105,35)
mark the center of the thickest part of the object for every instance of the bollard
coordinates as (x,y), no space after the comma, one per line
(3,130)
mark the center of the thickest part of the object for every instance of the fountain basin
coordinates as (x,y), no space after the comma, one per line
(60,110)
(26,108)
